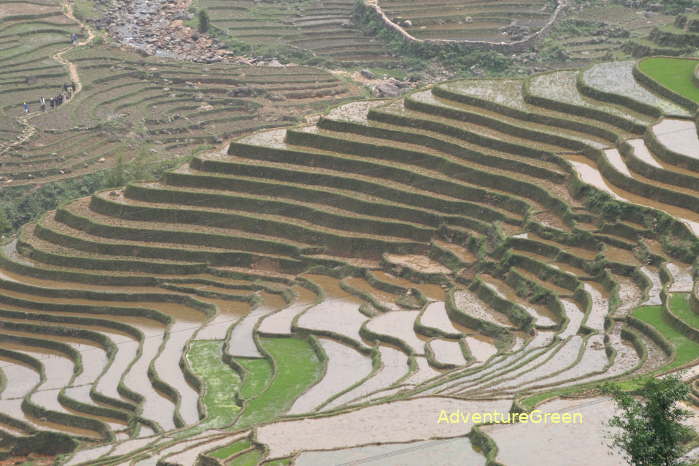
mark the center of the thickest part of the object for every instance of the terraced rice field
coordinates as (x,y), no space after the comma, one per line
(128,109)
(321,28)
(470,246)
(474,20)
(673,39)
(593,32)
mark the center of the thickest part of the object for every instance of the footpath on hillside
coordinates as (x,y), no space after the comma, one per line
(24,120)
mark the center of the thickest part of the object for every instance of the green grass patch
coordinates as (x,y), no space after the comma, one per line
(280,462)
(297,367)
(250,458)
(232,449)
(673,73)
(680,306)
(220,382)
(686,349)
(258,375)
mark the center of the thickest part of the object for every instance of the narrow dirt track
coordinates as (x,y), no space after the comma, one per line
(24,120)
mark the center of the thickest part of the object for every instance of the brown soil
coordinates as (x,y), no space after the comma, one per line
(32,459)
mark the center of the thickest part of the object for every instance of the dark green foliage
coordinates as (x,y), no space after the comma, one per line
(19,208)
(5,225)
(45,443)
(203,21)
(672,7)
(651,430)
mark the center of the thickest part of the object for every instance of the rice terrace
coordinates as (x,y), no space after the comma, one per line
(325,232)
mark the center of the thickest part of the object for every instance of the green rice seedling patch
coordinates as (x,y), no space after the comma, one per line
(232,449)
(280,462)
(674,73)
(220,382)
(250,458)
(680,306)
(258,375)
(296,368)
(686,349)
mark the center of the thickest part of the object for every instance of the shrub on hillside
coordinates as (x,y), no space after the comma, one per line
(203,21)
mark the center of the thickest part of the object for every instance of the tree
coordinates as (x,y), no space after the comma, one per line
(650,424)
(203,21)
(5,224)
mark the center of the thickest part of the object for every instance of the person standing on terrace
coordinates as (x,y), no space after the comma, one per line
(25,106)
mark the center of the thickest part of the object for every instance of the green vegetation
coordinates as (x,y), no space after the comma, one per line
(280,462)
(296,368)
(219,380)
(680,306)
(249,458)
(674,73)
(232,449)
(687,350)
(20,207)
(257,376)
(203,25)
(418,57)
(671,7)
(651,429)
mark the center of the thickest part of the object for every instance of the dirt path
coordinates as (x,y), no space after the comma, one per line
(24,120)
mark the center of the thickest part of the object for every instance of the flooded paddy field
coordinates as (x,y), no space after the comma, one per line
(326,292)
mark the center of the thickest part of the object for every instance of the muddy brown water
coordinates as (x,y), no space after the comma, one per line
(616,254)
(431,291)
(385,298)
(331,287)
(588,254)
(459,251)
(176,311)
(227,314)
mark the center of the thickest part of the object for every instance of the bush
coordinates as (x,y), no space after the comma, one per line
(203,21)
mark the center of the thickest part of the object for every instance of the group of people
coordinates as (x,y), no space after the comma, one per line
(54,102)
